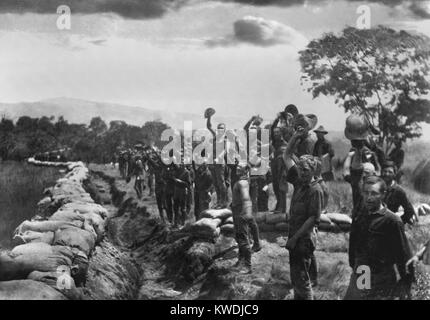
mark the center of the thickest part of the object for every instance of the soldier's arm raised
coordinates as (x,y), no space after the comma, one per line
(209,126)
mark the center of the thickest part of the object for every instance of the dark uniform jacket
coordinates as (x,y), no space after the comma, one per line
(305,146)
(378,240)
(307,201)
(396,197)
(323,147)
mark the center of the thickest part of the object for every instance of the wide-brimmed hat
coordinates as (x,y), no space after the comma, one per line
(356,127)
(308,121)
(292,109)
(321,129)
(258,120)
(209,112)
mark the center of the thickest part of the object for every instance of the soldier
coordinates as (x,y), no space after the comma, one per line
(219,166)
(276,164)
(395,196)
(305,144)
(182,190)
(137,170)
(242,218)
(203,185)
(157,167)
(377,239)
(378,242)
(325,152)
(305,211)
(169,190)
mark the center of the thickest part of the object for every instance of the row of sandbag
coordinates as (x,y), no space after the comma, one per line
(213,222)
(35,162)
(52,258)
(220,221)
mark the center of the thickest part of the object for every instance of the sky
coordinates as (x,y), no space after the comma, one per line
(239,57)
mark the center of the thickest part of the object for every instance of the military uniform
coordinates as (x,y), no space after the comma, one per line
(395,198)
(306,202)
(169,190)
(321,148)
(242,218)
(202,197)
(378,241)
(181,191)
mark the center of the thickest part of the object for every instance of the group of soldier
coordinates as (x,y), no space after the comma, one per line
(297,159)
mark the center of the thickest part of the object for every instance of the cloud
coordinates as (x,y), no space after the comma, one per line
(133,9)
(260,32)
(147,9)
(421,9)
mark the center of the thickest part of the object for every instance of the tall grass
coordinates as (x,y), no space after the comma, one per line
(21,187)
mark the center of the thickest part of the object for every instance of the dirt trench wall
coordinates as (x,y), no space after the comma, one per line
(63,251)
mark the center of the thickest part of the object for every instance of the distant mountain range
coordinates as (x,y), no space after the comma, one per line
(81,111)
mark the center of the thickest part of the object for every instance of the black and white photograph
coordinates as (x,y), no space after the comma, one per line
(194,151)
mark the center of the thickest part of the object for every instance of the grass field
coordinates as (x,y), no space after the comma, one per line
(21,187)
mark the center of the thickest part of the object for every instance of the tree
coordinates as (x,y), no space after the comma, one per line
(380,73)
(97,126)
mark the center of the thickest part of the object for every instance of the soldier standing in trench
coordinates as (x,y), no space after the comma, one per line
(203,185)
(158,167)
(182,189)
(305,211)
(276,164)
(242,217)
(219,167)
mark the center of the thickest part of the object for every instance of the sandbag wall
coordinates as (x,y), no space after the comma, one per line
(220,221)
(50,260)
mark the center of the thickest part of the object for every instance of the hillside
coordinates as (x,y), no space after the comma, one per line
(81,111)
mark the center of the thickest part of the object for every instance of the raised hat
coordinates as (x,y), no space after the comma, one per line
(356,127)
(209,112)
(321,129)
(292,109)
(308,121)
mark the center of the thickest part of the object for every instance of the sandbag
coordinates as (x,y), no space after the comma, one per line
(227,230)
(63,283)
(339,218)
(20,266)
(28,290)
(41,248)
(325,219)
(206,228)
(33,236)
(74,237)
(67,215)
(229,220)
(328,227)
(261,216)
(216,213)
(44,226)
(264,227)
(276,218)
(86,208)
(93,219)
(32,248)
(282,226)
